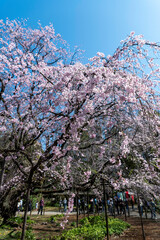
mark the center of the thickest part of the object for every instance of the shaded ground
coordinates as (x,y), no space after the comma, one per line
(44,229)
(151,228)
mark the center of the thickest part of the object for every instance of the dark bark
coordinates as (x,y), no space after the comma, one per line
(88,203)
(105,207)
(25,213)
(2,171)
(113,203)
(8,204)
(140,214)
(125,213)
(146,212)
(8,212)
(77,208)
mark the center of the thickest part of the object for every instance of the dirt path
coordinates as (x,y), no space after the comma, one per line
(151,228)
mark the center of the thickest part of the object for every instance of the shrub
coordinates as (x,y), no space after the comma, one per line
(94,227)
(73,224)
(17,220)
(59,215)
(28,235)
(84,221)
(53,218)
(56,205)
(117,226)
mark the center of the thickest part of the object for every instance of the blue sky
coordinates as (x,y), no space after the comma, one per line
(93,25)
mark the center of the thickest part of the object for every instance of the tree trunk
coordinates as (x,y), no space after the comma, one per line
(125,212)
(105,207)
(143,233)
(146,212)
(128,210)
(77,209)
(88,203)
(25,213)
(8,204)
(98,208)
(114,213)
(2,172)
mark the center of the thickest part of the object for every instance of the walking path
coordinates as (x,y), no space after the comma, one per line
(151,230)
(133,213)
(151,227)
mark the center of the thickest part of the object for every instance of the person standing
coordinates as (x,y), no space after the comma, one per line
(30,206)
(92,205)
(21,204)
(96,204)
(116,202)
(153,209)
(121,205)
(65,204)
(79,205)
(37,206)
(41,205)
(141,207)
(18,207)
(111,206)
(132,201)
(60,205)
(83,205)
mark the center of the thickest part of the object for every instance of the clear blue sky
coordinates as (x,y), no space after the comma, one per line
(93,25)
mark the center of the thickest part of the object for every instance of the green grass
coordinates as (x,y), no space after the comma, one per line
(9,232)
(4,233)
(92,228)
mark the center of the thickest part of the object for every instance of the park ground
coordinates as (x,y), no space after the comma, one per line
(43,228)
(151,228)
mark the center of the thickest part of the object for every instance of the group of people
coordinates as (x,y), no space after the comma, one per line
(95,205)
(63,205)
(145,205)
(121,203)
(39,206)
